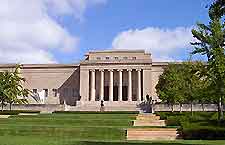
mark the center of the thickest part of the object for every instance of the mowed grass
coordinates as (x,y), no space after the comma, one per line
(74,126)
(74,129)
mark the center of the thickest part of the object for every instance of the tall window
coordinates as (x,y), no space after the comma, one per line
(55,92)
(134,58)
(107,57)
(35,91)
(116,58)
(66,92)
(74,92)
(46,92)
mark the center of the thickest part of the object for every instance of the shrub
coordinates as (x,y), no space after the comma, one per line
(195,131)
(8,113)
(16,112)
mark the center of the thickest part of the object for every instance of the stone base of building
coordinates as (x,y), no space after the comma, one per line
(108,106)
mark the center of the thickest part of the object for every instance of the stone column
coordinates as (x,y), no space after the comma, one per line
(120,87)
(139,85)
(92,85)
(102,85)
(129,84)
(111,85)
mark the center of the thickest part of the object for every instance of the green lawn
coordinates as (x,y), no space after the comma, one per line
(73,129)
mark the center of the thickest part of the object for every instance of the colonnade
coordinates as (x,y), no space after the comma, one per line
(120,85)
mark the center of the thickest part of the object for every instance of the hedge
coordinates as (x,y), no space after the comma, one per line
(16,112)
(96,112)
(197,131)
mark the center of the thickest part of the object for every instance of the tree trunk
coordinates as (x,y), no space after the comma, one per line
(180,107)
(203,107)
(191,108)
(220,110)
(10,106)
(2,105)
(172,107)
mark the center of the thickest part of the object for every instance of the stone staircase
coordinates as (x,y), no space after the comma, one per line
(148,120)
(151,134)
(156,130)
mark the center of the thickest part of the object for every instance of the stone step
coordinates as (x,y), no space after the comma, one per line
(4,116)
(146,114)
(147,117)
(151,134)
(97,108)
(28,114)
(149,123)
(108,103)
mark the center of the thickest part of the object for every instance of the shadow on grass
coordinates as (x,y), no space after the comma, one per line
(131,143)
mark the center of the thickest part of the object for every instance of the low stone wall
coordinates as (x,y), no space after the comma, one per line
(186,107)
(132,107)
(39,107)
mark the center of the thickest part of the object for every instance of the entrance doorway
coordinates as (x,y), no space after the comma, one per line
(125,93)
(115,93)
(106,93)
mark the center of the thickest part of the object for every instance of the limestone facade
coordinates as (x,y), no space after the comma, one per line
(113,76)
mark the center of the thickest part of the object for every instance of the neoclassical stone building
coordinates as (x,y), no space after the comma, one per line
(119,77)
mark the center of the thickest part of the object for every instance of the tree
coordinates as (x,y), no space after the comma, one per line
(11,88)
(211,42)
(192,82)
(181,83)
(168,87)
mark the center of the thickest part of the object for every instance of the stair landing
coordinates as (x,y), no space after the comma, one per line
(151,134)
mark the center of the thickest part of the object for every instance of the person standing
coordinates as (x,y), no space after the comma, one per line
(102,108)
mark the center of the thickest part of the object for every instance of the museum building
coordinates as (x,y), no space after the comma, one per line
(115,76)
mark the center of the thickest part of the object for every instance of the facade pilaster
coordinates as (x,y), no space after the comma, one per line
(120,87)
(129,84)
(92,85)
(110,85)
(102,85)
(139,85)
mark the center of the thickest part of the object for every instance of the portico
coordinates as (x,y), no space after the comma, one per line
(115,76)
(116,84)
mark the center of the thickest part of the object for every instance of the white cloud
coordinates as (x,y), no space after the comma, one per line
(28,31)
(164,44)
(71,7)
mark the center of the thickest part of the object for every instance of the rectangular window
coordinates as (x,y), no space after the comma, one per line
(125,57)
(74,92)
(46,92)
(65,92)
(107,58)
(55,92)
(34,91)
(116,58)
(98,58)
(134,58)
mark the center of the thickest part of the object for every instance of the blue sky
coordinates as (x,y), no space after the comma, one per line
(73,27)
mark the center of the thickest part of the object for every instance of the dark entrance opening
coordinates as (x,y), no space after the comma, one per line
(125,93)
(106,93)
(115,93)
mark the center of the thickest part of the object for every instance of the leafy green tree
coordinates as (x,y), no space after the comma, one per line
(211,42)
(181,83)
(11,88)
(192,82)
(168,87)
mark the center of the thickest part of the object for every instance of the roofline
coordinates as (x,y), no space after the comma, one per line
(117,51)
(24,66)
(160,63)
